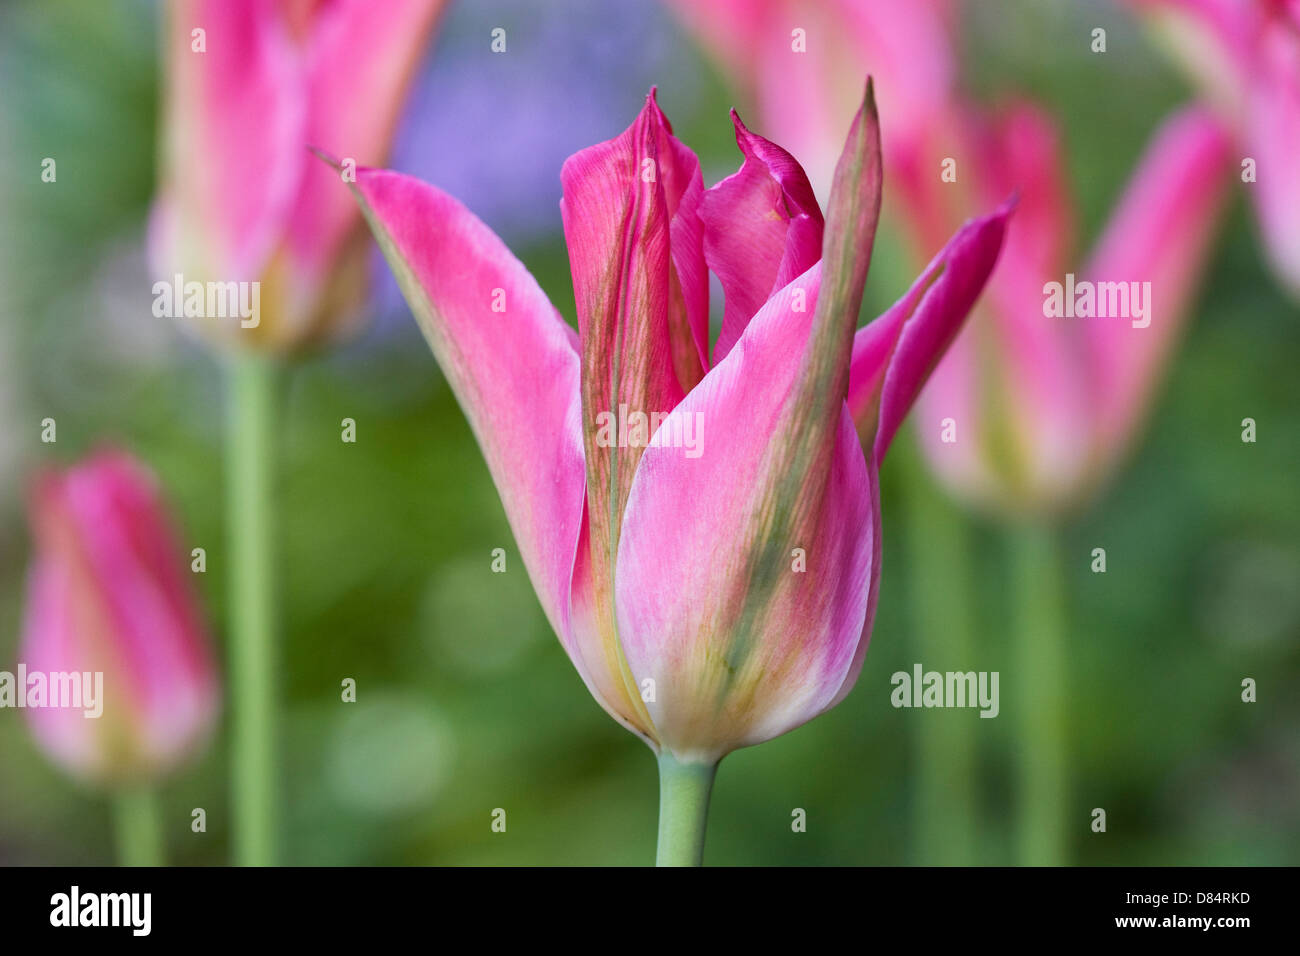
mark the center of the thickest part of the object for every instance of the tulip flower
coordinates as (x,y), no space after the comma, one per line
(112,620)
(1043,395)
(1245,58)
(250,85)
(798,61)
(1037,400)
(701,525)
(252,244)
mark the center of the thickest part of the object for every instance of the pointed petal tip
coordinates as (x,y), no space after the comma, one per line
(851,215)
(359,173)
(329,159)
(867,115)
(1000,216)
(869,98)
(654,110)
(745,137)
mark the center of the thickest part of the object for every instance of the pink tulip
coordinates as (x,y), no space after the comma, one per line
(1028,411)
(108,594)
(250,85)
(715,591)
(1245,57)
(798,62)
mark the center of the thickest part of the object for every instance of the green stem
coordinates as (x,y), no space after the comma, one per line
(137,827)
(942,598)
(1040,634)
(684,790)
(250,516)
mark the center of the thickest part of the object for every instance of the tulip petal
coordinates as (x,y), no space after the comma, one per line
(740,644)
(1011,384)
(220,210)
(1273,139)
(595,648)
(741,640)
(60,632)
(1160,232)
(1214,41)
(800,62)
(1244,56)
(508,356)
(894,355)
(358,67)
(852,215)
(631,221)
(762,229)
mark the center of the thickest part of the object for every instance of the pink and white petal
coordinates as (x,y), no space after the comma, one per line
(688,315)
(762,229)
(1011,382)
(952,405)
(1160,233)
(359,65)
(908,48)
(1214,42)
(894,355)
(222,206)
(135,559)
(627,207)
(599,658)
(1023,155)
(1273,141)
(742,646)
(60,635)
(802,96)
(875,534)
(1033,401)
(508,356)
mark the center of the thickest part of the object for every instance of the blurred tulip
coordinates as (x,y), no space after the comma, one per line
(708,638)
(1042,406)
(1244,55)
(108,593)
(250,84)
(798,61)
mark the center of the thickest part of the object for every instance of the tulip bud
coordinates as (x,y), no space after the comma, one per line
(119,681)
(252,240)
(1244,57)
